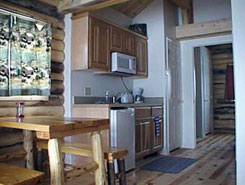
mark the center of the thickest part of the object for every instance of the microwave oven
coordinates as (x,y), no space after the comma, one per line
(121,63)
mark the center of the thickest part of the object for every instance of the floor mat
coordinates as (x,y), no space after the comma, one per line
(169,164)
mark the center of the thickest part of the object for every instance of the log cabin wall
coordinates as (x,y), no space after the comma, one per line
(224,109)
(11,144)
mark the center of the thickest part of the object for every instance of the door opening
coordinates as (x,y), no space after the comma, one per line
(215,104)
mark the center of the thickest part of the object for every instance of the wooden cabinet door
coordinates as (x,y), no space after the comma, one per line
(141,56)
(99,45)
(143,138)
(128,44)
(117,39)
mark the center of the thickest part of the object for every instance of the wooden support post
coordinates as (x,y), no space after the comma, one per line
(28,147)
(185,19)
(56,162)
(111,172)
(98,156)
(121,168)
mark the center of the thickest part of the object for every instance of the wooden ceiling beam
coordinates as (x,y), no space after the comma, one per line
(50,2)
(198,30)
(81,6)
(132,7)
(33,9)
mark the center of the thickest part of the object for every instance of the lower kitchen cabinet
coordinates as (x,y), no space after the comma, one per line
(143,135)
(148,131)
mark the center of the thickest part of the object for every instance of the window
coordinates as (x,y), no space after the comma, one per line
(25,56)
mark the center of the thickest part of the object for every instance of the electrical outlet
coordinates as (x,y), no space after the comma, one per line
(87,91)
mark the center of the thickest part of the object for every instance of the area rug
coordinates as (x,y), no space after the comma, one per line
(169,164)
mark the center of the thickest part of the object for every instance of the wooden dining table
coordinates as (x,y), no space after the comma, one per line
(54,129)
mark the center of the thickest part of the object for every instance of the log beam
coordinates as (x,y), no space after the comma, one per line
(38,6)
(81,6)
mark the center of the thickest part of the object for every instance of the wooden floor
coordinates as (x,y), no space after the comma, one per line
(215,165)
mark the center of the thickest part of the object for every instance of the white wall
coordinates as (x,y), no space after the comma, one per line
(153,17)
(100,83)
(67,63)
(211,10)
(238,15)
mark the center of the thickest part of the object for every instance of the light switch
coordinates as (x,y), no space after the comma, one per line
(87,91)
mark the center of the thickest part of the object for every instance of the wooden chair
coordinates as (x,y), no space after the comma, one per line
(13,175)
(118,155)
(110,155)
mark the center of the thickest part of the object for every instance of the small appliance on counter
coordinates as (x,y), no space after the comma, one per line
(138,95)
(126,97)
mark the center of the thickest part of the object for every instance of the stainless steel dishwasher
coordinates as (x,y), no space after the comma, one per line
(122,133)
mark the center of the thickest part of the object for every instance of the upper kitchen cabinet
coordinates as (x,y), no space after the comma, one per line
(99,45)
(122,41)
(90,44)
(141,56)
(117,39)
(94,39)
(129,44)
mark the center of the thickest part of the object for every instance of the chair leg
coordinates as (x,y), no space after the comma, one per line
(121,168)
(111,172)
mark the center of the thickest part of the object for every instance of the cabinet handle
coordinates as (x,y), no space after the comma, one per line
(143,123)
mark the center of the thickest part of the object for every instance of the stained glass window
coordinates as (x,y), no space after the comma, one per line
(4,45)
(29,57)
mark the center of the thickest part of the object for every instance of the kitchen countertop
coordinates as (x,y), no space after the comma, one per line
(83,101)
(118,105)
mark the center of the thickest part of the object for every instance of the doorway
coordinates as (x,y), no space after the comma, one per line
(204,98)
(188,85)
(215,104)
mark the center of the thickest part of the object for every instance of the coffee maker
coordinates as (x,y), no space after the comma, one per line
(138,95)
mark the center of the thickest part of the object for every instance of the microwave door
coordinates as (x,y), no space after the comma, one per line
(123,65)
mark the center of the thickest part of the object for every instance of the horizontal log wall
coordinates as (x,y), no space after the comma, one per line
(11,141)
(224,110)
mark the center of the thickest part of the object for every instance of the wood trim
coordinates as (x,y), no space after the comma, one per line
(185,4)
(188,31)
(73,5)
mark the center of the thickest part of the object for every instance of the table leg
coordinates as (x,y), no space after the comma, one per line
(98,155)
(56,162)
(28,147)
